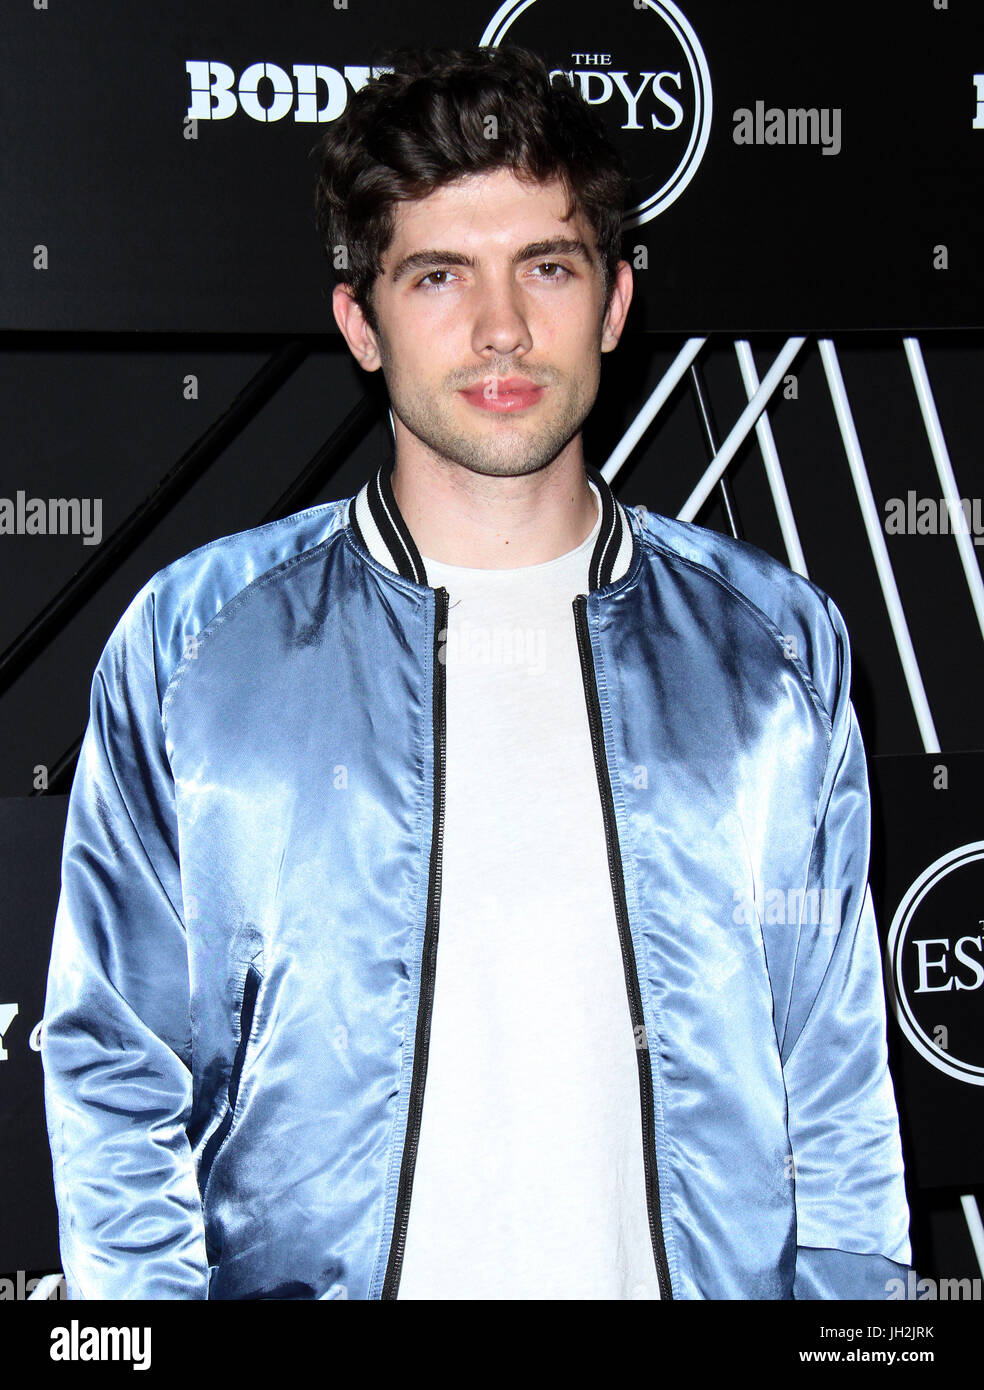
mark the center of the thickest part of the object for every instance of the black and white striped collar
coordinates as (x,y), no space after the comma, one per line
(379,526)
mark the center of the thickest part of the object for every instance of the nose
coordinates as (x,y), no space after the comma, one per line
(500,325)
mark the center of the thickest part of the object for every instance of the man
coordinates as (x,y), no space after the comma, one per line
(412,940)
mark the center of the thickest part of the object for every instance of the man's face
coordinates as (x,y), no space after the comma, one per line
(491,320)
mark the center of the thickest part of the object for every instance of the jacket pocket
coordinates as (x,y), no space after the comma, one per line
(247,1012)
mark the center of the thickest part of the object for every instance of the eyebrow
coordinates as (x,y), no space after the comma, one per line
(555,246)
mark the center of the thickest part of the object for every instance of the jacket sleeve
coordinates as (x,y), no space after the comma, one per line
(116,1031)
(851,1209)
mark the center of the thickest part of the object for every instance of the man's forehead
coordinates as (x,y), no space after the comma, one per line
(495,211)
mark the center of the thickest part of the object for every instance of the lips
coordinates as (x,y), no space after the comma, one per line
(506,394)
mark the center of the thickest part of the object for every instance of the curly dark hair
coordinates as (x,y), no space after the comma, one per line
(411,130)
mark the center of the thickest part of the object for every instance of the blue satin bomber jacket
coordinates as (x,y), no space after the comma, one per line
(238,1009)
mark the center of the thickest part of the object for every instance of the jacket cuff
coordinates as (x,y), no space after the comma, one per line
(846,1274)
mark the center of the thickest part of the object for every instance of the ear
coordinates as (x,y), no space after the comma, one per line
(611,329)
(355,328)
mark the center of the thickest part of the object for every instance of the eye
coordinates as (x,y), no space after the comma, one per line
(562,272)
(438,285)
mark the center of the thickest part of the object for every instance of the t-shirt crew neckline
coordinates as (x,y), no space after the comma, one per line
(568,556)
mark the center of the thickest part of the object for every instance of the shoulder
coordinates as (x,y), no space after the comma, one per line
(172,610)
(803,620)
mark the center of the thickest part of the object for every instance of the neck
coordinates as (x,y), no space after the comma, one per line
(458,517)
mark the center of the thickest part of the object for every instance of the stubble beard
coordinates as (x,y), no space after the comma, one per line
(498,446)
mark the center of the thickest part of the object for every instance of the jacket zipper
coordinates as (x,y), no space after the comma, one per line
(428,965)
(247,1009)
(625,939)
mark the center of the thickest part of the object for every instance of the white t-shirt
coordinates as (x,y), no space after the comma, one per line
(529,1180)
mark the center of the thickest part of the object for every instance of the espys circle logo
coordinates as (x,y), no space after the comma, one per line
(645,73)
(936,963)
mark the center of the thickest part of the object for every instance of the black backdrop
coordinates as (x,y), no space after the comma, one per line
(154,220)
(174,251)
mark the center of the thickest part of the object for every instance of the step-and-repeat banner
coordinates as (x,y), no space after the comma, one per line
(809,168)
(929,859)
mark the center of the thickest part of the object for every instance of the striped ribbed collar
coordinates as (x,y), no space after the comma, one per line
(379,526)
